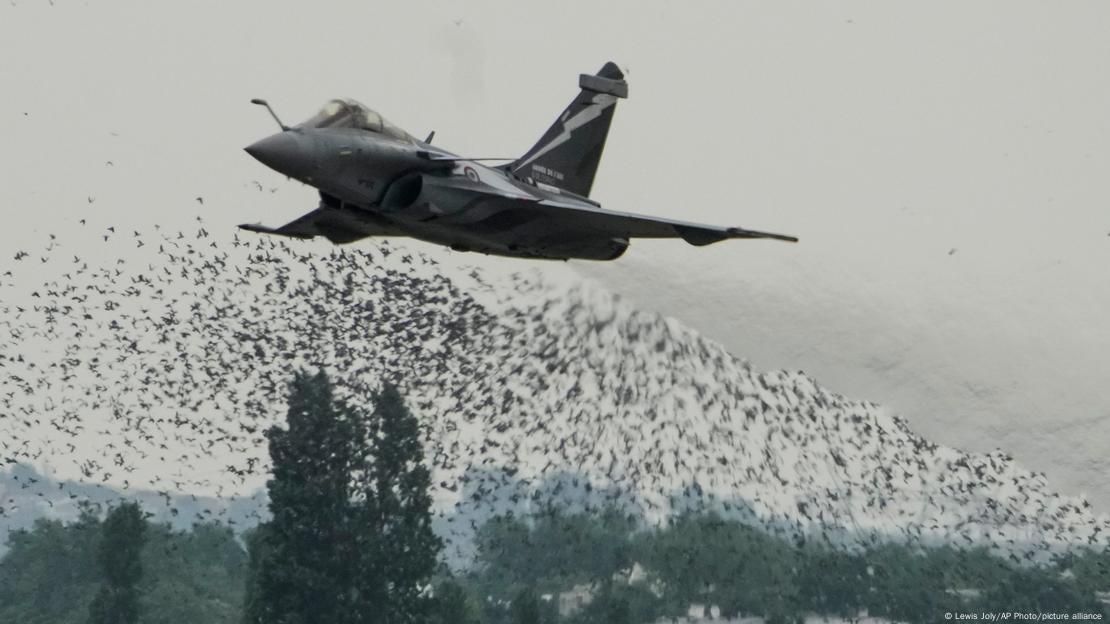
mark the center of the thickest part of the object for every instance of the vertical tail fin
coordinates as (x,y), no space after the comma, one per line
(568,153)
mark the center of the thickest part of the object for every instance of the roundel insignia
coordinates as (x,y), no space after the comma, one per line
(471,174)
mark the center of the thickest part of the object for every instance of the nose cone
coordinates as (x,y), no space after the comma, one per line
(284,152)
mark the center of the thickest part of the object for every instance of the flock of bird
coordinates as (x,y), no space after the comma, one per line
(154,362)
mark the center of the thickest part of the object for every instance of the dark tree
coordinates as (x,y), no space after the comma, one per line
(394,533)
(350,539)
(121,545)
(617,610)
(452,605)
(258,558)
(525,608)
(302,561)
(51,572)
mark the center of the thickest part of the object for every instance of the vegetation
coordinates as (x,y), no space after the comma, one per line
(121,568)
(53,572)
(350,541)
(351,538)
(302,559)
(644,575)
(397,550)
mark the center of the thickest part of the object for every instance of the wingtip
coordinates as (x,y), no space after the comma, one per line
(743,233)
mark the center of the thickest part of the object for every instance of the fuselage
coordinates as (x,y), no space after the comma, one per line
(398,185)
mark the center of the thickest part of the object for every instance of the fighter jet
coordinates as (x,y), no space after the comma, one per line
(377,180)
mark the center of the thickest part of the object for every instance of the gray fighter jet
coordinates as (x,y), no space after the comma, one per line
(377,180)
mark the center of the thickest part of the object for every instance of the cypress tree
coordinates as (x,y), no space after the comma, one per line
(301,559)
(121,544)
(397,544)
(350,539)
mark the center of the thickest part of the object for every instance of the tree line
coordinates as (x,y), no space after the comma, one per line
(350,541)
(635,574)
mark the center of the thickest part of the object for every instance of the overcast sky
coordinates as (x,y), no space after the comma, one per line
(944,164)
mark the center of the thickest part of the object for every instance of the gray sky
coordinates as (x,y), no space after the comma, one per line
(944,164)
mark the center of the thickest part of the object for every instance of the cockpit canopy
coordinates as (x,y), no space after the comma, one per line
(347,113)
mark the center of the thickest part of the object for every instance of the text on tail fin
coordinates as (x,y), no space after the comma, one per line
(568,154)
